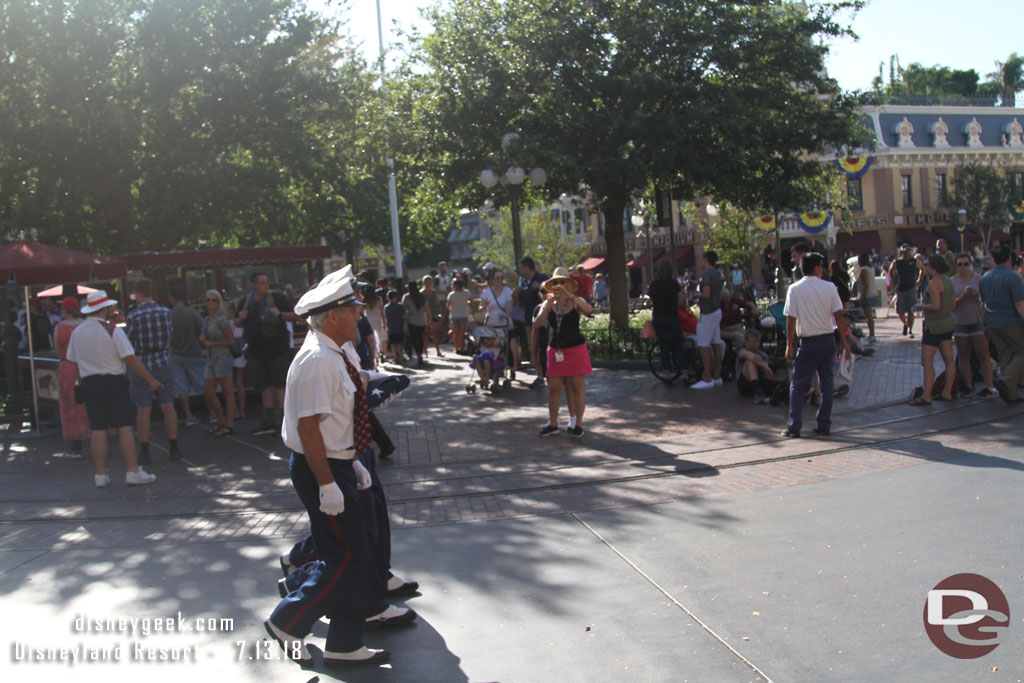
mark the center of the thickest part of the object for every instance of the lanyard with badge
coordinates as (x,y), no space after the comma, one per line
(559,354)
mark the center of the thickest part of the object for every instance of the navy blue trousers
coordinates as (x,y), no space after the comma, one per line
(375,513)
(815,355)
(336,584)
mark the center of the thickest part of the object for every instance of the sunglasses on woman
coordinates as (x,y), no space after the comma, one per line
(965,264)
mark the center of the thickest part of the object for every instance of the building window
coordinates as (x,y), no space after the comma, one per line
(581,220)
(854,194)
(942,189)
(908,194)
(1016,185)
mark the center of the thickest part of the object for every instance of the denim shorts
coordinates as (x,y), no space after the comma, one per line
(142,395)
(972,330)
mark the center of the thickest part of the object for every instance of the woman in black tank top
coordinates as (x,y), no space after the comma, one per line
(567,356)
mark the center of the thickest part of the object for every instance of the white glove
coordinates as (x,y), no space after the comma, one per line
(332,500)
(363,480)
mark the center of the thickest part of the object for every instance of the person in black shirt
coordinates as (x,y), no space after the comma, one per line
(530,297)
(262,315)
(568,358)
(666,297)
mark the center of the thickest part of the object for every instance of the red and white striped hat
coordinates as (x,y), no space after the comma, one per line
(97,300)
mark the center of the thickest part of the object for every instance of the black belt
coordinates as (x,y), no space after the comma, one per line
(818,336)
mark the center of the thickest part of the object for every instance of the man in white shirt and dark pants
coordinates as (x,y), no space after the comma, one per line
(812,304)
(326,423)
(102,352)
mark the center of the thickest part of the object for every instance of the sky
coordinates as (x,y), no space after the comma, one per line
(953,33)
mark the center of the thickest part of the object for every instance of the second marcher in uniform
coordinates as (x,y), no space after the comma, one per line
(326,423)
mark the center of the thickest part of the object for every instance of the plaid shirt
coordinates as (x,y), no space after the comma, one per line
(149,331)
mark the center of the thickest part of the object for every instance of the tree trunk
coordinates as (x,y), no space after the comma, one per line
(618,287)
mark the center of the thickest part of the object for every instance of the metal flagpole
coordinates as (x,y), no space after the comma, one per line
(396,239)
(31,359)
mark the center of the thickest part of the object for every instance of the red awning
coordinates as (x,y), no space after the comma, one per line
(858,241)
(32,263)
(919,237)
(641,260)
(684,254)
(225,257)
(592,262)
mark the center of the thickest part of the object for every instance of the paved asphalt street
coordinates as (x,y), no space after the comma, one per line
(681,539)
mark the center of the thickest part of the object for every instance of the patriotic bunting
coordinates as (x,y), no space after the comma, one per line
(765,223)
(854,167)
(1017,209)
(814,221)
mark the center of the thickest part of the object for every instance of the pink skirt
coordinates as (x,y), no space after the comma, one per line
(575,362)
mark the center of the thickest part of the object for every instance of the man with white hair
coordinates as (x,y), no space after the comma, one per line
(102,351)
(326,423)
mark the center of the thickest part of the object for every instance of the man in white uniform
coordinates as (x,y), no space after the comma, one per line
(326,422)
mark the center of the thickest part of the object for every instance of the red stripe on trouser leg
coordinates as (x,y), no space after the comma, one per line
(330,584)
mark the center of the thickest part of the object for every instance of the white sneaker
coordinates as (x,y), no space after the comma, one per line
(191,421)
(140,477)
(717,382)
(75,455)
(702,385)
(101,480)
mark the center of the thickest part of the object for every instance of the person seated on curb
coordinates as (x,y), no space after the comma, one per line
(754,373)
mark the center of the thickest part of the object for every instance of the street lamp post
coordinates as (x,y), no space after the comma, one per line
(513,178)
(961,222)
(638,223)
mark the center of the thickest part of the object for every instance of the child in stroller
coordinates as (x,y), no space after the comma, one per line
(490,363)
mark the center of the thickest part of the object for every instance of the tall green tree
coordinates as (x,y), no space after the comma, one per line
(986,194)
(542,240)
(153,124)
(1008,79)
(721,99)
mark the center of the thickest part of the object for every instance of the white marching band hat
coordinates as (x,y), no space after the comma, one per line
(335,290)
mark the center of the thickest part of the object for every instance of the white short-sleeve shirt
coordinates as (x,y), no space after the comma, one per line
(319,384)
(813,302)
(96,351)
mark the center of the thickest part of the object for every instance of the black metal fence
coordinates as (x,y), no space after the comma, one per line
(610,343)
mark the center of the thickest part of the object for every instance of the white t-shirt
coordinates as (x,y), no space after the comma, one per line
(499,308)
(96,351)
(319,384)
(813,302)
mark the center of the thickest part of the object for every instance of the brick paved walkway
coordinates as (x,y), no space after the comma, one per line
(465,458)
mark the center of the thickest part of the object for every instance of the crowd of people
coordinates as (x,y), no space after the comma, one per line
(969,318)
(168,354)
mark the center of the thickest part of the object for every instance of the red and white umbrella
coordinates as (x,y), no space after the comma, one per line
(59,290)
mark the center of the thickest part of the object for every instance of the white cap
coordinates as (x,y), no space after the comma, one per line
(336,289)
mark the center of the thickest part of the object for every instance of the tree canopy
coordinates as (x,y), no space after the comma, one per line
(722,99)
(155,124)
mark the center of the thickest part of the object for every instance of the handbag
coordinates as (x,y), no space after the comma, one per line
(647,331)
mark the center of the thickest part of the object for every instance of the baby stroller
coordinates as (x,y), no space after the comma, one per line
(492,345)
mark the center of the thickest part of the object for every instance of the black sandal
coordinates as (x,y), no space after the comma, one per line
(920,402)
(223,430)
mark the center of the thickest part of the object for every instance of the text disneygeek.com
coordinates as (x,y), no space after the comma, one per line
(137,649)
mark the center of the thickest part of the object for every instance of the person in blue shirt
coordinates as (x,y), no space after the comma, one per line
(1002,292)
